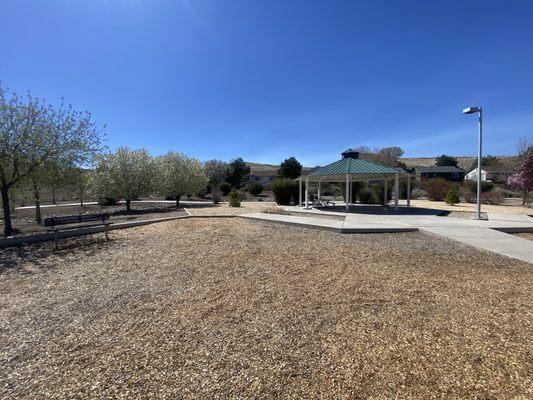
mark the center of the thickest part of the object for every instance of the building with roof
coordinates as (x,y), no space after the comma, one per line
(350,168)
(491,173)
(448,172)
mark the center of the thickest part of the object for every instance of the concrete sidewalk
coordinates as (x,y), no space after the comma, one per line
(486,234)
(488,239)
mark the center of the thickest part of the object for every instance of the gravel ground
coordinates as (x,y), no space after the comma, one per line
(465,215)
(229,308)
(525,235)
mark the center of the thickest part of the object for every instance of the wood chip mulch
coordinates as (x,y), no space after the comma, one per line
(231,308)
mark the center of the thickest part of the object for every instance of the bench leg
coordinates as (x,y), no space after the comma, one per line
(55,240)
(106,234)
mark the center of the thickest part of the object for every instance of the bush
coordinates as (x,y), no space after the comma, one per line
(485,186)
(225,188)
(417,193)
(469,196)
(107,201)
(436,188)
(275,210)
(216,196)
(494,197)
(327,189)
(234,198)
(378,191)
(255,188)
(356,187)
(365,196)
(284,190)
(452,197)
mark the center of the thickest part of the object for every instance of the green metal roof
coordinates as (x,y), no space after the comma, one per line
(352,166)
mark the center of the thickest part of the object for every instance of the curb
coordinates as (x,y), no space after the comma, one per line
(333,229)
(48,236)
(514,230)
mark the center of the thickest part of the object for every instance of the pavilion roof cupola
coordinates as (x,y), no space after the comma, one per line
(350,153)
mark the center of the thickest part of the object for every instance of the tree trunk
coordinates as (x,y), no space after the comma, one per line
(81,197)
(128,205)
(524,195)
(8,228)
(178,201)
(53,194)
(37,204)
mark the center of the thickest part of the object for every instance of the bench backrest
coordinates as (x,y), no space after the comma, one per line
(73,219)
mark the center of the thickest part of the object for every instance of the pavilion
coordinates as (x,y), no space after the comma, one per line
(353,169)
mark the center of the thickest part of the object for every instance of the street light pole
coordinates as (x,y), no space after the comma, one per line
(479,143)
(479,111)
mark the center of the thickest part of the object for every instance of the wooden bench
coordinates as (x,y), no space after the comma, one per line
(52,223)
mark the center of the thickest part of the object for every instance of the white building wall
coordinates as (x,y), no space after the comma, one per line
(472,175)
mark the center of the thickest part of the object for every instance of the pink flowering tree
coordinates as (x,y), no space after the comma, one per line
(523,179)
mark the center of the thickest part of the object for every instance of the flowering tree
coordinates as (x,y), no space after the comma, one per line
(33,134)
(523,178)
(179,175)
(126,174)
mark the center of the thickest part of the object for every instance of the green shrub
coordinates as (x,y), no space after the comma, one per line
(365,196)
(284,190)
(356,187)
(234,198)
(452,197)
(225,188)
(403,189)
(255,188)
(436,188)
(378,193)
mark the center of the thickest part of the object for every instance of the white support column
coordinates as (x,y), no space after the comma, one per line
(318,194)
(306,192)
(351,191)
(347,192)
(386,192)
(396,190)
(409,191)
(300,193)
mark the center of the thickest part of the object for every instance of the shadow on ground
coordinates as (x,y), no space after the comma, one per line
(385,210)
(26,259)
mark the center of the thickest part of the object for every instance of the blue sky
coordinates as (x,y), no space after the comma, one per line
(270,79)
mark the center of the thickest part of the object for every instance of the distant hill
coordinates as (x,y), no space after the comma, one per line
(463,162)
(266,169)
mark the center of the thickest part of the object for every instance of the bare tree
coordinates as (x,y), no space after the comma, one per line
(387,155)
(524,147)
(216,171)
(33,133)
